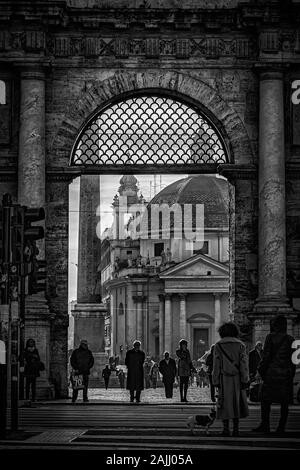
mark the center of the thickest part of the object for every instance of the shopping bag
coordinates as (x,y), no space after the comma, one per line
(255,391)
(77,381)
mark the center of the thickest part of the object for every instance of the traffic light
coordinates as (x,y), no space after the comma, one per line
(34,267)
(24,251)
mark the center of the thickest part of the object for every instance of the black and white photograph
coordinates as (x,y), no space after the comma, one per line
(150,231)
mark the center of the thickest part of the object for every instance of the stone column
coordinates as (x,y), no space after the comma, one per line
(31,162)
(31,192)
(168,323)
(138,299)
(182,316)
(272,229)
(161,326)
(218,319)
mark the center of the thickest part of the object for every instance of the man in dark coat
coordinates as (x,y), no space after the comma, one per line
(106,375)
(82,361)
(167,367)
(277,371)
(134,361)
(255,356)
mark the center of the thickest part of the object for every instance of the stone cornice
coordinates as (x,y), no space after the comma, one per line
(55,30)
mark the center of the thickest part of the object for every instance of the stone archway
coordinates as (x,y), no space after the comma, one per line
(99,93)
(240,171)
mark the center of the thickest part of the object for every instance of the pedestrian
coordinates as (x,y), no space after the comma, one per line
(231,376)
(32,365)
(168,370)
(277,372)
(209,364)
(106,375)
(198,378)
(134,361)
(154,374)
(202,377)
(82,361)
(185,368)
(121,377)
(147,370)
(255,356)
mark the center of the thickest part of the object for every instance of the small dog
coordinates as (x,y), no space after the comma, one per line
(204,421)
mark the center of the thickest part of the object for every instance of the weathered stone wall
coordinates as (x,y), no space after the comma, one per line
(57,197)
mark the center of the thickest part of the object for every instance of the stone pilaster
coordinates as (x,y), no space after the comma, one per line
(272,228)
(182,315)
(161,324)
(218,318)
(168,323)
(139,300)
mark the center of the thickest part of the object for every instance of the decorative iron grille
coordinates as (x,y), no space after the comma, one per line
(145,130)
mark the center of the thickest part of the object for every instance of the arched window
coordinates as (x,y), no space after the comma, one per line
(149,130)
(2,92)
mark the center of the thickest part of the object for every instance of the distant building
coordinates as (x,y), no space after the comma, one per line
(159,288)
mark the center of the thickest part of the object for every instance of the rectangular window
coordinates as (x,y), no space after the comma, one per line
(158,248)
(203,250)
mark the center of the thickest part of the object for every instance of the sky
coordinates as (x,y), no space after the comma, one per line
(109,184)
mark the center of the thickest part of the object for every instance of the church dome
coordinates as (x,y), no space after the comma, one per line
(201,189)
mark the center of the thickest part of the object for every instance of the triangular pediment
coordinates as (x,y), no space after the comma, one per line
(198,265)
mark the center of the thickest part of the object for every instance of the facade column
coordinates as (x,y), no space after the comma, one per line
(31,162)
(168,323)
(218,318)
(32,193)
(272,227)
(161,325)
(139,299)
(182,316)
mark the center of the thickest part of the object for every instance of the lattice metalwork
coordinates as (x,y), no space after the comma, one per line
(145,130)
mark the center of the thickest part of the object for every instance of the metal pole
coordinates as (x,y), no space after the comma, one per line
(4,311)
(22,333)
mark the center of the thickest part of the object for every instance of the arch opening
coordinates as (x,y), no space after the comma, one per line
(146,129)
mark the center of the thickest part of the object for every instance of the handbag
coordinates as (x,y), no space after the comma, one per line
(77,381)
(243,386)
(255,391)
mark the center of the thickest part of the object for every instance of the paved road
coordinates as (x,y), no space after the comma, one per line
(121,426)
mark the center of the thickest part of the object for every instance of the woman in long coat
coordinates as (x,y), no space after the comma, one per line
(134,361)
(231,376)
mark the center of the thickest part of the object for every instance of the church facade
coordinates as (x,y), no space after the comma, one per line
(161,289)
(68,65)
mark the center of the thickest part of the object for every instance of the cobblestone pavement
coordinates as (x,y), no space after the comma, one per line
(195,394)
